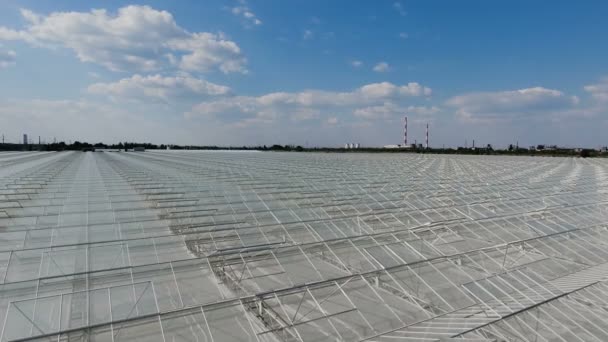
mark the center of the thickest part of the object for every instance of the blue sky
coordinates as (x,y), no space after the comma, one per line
(316,73)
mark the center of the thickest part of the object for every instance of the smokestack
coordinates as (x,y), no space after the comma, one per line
(427,135)
(405,133)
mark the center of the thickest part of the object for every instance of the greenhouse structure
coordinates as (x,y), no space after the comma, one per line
(269,246)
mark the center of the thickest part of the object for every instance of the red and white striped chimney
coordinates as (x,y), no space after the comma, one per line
(405,133)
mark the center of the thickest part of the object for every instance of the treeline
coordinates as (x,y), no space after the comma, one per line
(79,146)
(488,150)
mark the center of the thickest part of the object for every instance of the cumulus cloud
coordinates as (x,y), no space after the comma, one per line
(356,64)
(7,57)
(243,106)
(158,87)
(599,91)
(398,6)
(384,111)
(422,110)
(381,67)
(362,95)
(307,35)
(387,89)
(508,105)
(93,121)
(390,110)
(136,38)
(246,14)
(103,121)
(305,114)
(305,105)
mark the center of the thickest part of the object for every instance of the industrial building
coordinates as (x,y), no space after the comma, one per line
(271,246)
(351,146)
(405,141)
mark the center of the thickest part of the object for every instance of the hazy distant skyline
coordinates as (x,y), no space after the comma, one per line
(316,73)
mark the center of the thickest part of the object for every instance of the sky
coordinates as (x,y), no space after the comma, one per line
(310,73)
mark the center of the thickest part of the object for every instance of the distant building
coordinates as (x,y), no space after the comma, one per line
(25,139)
(408,146)
(139,149)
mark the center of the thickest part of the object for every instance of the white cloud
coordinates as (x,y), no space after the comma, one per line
(404,35)
(384,111)
(509,105)
(356,64)
(599,91)
(381,67)
(9,34)
(307,35)
(7,57)
(390,110)
(305,114)
(398,6)
(306,104)
(92,121)
(158,87)
(365,94)
(387,89)
(246,14)
(65,119)
(422,110)
(237,104)
(135,38)
(332,120)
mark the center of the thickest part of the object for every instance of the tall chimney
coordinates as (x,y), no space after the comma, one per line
(405,133)
(427,135)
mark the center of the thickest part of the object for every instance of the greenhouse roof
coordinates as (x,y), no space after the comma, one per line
(237,246)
